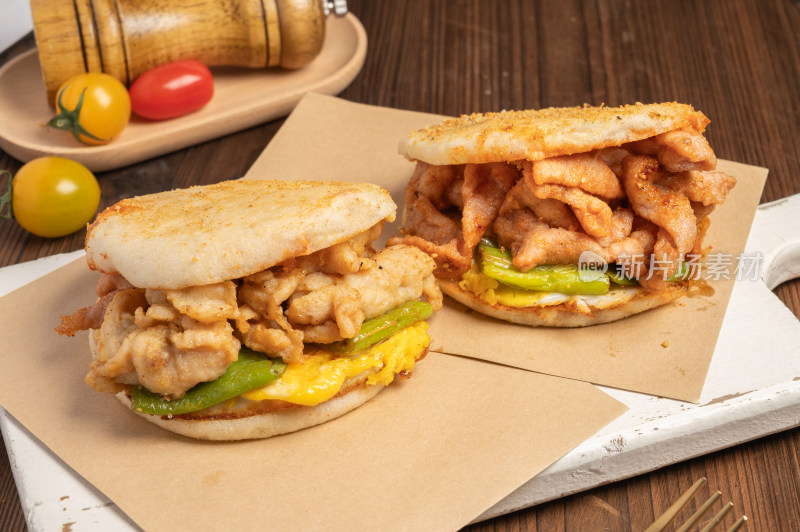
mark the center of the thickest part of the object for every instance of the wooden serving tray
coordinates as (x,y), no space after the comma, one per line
(242,98)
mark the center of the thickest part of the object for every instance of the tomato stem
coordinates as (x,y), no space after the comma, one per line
(69,120)
(6,208)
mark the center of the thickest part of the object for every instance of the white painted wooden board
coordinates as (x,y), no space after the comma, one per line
(752,389)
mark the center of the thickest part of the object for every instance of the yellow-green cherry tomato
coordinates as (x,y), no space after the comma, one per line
(94,107)
(52,196)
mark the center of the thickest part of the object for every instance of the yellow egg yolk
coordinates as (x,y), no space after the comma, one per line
(322,375)
(492,292)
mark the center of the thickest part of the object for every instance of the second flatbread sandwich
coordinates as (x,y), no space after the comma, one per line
(564,217)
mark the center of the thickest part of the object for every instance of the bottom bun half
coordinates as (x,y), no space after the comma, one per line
(564,314)
(263,425)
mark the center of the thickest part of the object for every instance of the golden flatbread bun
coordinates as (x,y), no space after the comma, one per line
(537,134)
(207,234)
(263,425)
(565,314)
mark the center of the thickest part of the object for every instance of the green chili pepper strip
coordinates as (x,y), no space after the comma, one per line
(618,278)
(566,279)
(6,207)
(381,327)
(681,275)
(249,372)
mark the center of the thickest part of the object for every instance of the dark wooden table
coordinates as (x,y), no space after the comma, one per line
(736,60)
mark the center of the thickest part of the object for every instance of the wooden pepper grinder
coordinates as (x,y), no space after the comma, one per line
(125,38)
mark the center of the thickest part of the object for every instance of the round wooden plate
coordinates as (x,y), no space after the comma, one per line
(242,98)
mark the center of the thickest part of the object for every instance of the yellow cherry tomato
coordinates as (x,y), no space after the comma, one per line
(53,196)
(94,107)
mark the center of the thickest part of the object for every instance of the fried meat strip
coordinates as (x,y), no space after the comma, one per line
(620,226)
(613,157)
(478,190)
(85,318)
(424,220)
(304,302)
(110,282)
(145,340)
(680,150)
(594,214)
(706,188)
(703,223)
(261,321)
(264,292)
(404,273)
(207,303)
(550,211)
(91,317)
(532,242)
(324,333)
(452,259)
(111,366)
(172,357)
(425,227)
(432,182)
(273,337)
(342,258)
(339,305)
(485,187)
(453,194)
(668,209)
(584,171)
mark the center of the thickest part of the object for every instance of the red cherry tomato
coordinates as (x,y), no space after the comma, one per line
(172,90)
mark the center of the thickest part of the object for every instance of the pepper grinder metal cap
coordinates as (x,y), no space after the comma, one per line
(337,7)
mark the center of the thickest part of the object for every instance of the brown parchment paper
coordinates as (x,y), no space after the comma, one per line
(666,351)
(429,453)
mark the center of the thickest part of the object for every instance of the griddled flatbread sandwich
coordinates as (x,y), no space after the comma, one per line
(248,309)
(564,217)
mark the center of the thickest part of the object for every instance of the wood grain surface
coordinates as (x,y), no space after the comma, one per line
(127,38)
(736,60)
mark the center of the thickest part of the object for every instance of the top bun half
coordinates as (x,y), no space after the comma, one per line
(538,134)
(207,234)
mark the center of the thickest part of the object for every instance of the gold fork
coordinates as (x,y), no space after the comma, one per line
(667,517)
